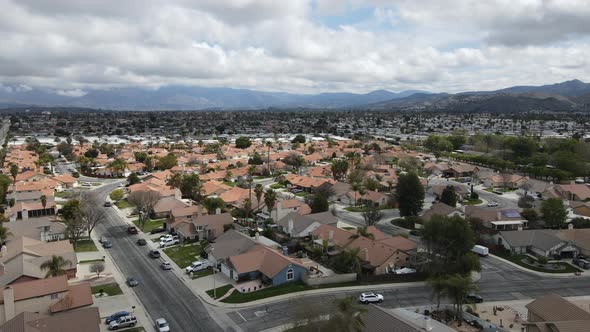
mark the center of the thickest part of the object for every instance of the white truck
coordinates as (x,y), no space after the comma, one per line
(480,250)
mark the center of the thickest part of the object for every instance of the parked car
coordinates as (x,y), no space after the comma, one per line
(86,184)
(157,230)
(166,265)
(581,263)
(370,297)
(169,242)
(107,204)
(154,253)
(115,316)
(168,236)
(102,239)
(132,282)
(123,322)
(107,244)
(131,230)
(141,242)
(492,204)
(162,325)
(473,298)
(197,266)
(498,192)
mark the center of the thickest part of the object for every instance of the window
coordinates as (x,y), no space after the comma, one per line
(290,274)
(54,296)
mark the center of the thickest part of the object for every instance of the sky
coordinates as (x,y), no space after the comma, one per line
(300,46)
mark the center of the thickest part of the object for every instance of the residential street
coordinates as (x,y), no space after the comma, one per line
(162,293)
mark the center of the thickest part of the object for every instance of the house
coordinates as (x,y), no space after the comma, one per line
(379,319)
(65,181)
(83,320)
(41,229)
(298,226)
(163,208)
(183,214)
(579,237)
(204,226)
(573,192)
(553,313)
(511,181)
(440,209)
(370,198)
(460,170)
(507,219)
(214,188)
(285,207)
(22,258)
(541,242)
(580,208)
(271,267)
(43,296)
(460,190)
(228,244)
(378,256)
(30,209)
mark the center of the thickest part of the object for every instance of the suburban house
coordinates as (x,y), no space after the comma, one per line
(379,319)
(460,170)
(541,242)
(440,209)
(86,319)
(41,229)
(306,183)
(203,227)
(298,226)
(369,198)
(512,181)
(183,214)
(501,220)
(553,313)
(164,207)
(285,207)
(23,256)
(266,264)
(26,209)
(573,192)
(382,255)
(214,188)
(43,296)
(65,181)
(228,244)
(580,208)
(461,191)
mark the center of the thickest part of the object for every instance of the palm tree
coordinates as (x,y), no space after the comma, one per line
(43,199)
(55,266)
(14,173)
(247,206)
(457,287)
(270,198)
(349,316)
(268,145)
(258,191)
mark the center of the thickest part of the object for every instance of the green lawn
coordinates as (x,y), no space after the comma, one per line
(203,273)
(277,186)
(123,204)
(517,259)
(472,201)
(229,183)
(149,225)
(363,208)
(220,291)
(110,289)
(62,194)
(85,245)
(183,256)
(237,297)
(89,261)
(302,194)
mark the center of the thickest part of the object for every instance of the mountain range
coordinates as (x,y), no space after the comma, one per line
(569,95)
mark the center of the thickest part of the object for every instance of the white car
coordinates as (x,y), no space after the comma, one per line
(168,237)
(169,242)
(492,204)
(166,265)
(162,325)
(370,297)
(197,266)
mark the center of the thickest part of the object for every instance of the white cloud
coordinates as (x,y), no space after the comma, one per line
(454,45)
(71,93)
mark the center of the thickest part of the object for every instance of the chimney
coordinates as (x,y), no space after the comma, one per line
(290,226)
(218,211)
(8,295)
(257,237)
(427,324)
(365,254)
(330,235)
(570,226)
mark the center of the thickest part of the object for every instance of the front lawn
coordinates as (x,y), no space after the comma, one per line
(109,289)
(277,186)
(184,255)
(202,273)
(292,287)
(62,194)
(149,225)
(364,208)
(123,204)
(220,291)
(302,194)
(85,245)
(518,259)
(472,201)
(229,183)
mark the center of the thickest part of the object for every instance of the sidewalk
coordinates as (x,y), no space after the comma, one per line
(542,274)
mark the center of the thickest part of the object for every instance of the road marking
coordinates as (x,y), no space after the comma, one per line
(239,314)
(260,313)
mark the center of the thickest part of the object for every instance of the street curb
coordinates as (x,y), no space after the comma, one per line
(542,274)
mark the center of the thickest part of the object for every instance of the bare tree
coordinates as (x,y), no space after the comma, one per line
(97,268)
(144,202)
(372,215)
(75,229)
(91,212)
(526,186)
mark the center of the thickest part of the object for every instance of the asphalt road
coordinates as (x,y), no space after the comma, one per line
(499,282)
(161,292)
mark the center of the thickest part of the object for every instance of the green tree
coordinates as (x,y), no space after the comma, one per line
(118,166)
(55,266)
(298,139)
(409,194)
(457,287)
(438,284)
(258,192)
(191,186)
(167,162)
(13,173)
(213,203)
(132,179)
(372,215)
(554,213)
(318,203)
(43,200)
(243,142)
(348,261)
(339,168)
(175,181)
(449,196)
(256,159)
(117,195)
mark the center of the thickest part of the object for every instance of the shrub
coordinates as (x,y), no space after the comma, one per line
(542,260)
(474,195)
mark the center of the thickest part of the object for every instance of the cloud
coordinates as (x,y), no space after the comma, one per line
(72,46)
(71,93)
